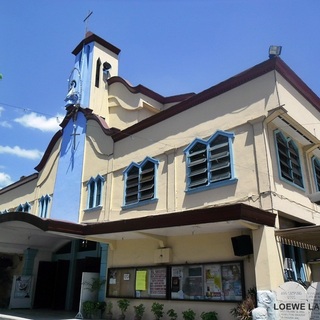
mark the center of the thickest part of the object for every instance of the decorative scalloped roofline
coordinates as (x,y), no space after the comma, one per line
(274,64)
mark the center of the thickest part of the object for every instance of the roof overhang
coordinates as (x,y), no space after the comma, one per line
(303,237)
(22,230)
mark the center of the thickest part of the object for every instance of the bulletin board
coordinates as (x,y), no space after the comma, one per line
(149,282)
(222,281)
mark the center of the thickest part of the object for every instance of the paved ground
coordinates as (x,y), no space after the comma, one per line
(27,314)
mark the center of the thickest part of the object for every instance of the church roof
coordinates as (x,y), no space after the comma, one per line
(273,64)
(91,37)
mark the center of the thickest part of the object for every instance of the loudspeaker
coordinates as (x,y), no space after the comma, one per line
(242,245)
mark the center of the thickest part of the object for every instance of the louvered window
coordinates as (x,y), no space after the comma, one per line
(24,207)
(140,182)
(288,159)
(209,162)
(94,187)
(44,206)
(316,172)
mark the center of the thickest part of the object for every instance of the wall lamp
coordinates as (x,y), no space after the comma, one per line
(274,51)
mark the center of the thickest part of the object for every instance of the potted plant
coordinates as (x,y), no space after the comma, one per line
(123,305)
(189,315)
(157,309)
(211,315)
(244,309)
(172,314)
(93,309)
(100,308)
(109,306)
(138,311)
(89,309)
(94,285)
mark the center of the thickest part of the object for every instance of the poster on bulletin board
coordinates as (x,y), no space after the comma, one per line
(141,280)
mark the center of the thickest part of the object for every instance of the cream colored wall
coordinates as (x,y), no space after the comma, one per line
(127,108)
(31,192)
(187,249)
(285,196)
(99,96)
(166,141)
(267,259)
(222,308)
(296,105)
(215,247)
(25,193)
(257,172)
(46,178)
(98,160)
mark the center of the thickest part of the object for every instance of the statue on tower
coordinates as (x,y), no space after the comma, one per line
(74,88)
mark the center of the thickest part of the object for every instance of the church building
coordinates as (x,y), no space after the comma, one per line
(188,200)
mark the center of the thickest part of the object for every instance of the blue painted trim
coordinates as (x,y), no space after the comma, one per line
(213,186)
(95,181)
(206,143)
(44,206)
(277,131)
(314,161)
(89,210)
(139,204)
(139,166)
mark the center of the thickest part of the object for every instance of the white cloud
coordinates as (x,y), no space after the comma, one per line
(40,122)
(5,180)
(22,153)
(5,124)
(1,109)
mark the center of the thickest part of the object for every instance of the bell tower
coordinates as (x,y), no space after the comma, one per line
(96,60)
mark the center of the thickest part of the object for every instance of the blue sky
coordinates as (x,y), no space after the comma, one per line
(171,47)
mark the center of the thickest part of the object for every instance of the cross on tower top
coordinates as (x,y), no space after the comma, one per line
(86,20)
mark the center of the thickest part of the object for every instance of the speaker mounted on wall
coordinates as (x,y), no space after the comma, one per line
(242,245)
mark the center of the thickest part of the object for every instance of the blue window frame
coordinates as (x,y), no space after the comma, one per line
(316,172)
(140,182)
(94,187)
(295,266)
(44,206)
(288,160)
(24,207)
(210,162)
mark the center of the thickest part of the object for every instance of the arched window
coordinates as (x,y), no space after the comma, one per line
(140,182)
(44,206)
(94,187)
(24,207)
(210,162)
(98,71)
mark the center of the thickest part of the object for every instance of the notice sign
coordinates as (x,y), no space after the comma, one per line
(292,303)
(141,280)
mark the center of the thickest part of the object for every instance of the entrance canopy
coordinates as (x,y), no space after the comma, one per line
(19,230)
(303,237)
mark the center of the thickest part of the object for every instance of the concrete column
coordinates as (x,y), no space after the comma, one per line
(71,275)
(29,256)
(262,161)
(267,259)
(103,269)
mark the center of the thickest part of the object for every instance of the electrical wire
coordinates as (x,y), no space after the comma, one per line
(28,110)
